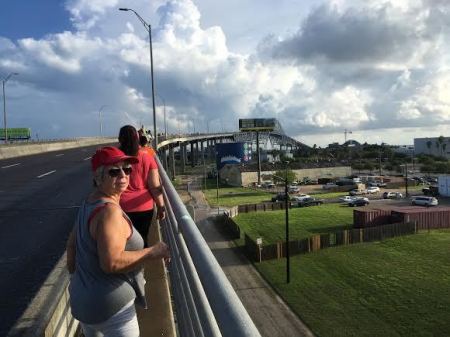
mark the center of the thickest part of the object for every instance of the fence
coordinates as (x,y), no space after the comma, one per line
(262,207)
(317,242)
(204,300)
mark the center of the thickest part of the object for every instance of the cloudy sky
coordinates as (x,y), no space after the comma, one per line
(379,68)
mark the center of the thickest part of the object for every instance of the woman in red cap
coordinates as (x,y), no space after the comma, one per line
(105,254)
(144,189)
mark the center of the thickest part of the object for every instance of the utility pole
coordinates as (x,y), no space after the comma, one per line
(345,135)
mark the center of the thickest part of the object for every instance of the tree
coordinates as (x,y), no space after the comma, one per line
(439,143)
(282,174)
(429,143)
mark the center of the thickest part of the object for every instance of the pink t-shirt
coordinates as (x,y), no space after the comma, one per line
(137,197)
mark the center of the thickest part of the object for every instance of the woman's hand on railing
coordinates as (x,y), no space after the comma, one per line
(161,213)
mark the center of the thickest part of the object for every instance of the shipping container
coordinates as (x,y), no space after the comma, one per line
(424,218)
(370,217)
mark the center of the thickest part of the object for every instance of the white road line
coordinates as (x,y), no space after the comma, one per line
(10,165)
(87,158)
(59,155)
(46,174)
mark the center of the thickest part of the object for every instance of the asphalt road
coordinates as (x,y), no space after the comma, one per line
(39,198)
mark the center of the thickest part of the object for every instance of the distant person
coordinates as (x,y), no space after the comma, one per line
(144,190)
(144,138)
(143,142)
(105,254)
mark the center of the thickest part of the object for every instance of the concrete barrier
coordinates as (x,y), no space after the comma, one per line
(49,312)
(25,149)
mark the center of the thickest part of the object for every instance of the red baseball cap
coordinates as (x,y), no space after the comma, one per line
(110,155)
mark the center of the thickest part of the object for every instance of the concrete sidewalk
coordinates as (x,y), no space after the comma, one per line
(270,314)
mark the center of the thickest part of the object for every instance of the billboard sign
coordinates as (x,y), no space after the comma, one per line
(257,124)
(232,153)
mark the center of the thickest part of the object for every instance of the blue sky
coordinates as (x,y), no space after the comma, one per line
(376,67)
(33,18)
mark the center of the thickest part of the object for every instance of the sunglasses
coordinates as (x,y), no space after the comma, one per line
(115,172)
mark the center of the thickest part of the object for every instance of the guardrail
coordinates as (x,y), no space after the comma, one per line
(204,300)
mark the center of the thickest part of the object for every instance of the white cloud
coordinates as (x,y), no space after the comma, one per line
(359,65)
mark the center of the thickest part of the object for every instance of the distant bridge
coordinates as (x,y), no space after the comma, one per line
(201,144)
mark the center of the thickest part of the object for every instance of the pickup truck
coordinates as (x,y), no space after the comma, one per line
(357,192)
(306,202)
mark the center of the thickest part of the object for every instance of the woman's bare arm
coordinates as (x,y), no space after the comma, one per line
(111,235)
(155,188)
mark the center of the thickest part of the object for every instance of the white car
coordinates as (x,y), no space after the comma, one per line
(346,198)
(392,195)
(373,189)
(424,201)
(300,197)
(293,189)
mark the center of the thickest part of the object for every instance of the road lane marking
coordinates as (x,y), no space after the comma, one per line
(46,174)
(10,165)
(87,158)
(59,155)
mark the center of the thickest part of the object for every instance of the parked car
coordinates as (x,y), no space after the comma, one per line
(346,198)
(424,201)
(328,186)
(268,184)
(300,197)
(359,202)
(357,192)
(431,190)
(293,189)
(309,202)
(392,195)
(279,197)
(373,189)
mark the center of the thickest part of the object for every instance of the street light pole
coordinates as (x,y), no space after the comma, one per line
(149,30)
(286,207)
(4,104)
(165,122)
(100,119)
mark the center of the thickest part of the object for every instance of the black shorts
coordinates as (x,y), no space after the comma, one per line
(142,221)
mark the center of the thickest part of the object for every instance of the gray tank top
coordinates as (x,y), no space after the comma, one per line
(95,295)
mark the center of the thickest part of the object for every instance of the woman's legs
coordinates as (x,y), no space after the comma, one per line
(122,324)
(141,221)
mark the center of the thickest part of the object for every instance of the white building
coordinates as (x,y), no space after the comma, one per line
(437,146)
(405,149)
(444,186)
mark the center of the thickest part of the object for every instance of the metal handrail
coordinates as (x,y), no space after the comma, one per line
(205,302)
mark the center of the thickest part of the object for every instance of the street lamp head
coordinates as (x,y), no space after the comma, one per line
(4,80)
(124,9)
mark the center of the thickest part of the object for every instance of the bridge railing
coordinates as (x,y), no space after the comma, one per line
(205,303)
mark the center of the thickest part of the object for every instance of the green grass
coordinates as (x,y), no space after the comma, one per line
(398,287)
(233,196)
(303,222)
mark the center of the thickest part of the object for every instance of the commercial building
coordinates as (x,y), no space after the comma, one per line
(437,146)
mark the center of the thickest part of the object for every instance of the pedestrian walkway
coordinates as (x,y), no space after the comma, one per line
(270,314)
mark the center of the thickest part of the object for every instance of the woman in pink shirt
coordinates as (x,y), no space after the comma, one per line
(144,189)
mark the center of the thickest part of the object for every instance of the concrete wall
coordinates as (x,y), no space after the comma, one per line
(25,149)
(313,173)
(49,312)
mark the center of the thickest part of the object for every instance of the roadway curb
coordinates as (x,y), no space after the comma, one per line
(19,150)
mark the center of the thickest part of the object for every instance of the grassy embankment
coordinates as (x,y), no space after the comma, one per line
(303,222)
(398,287)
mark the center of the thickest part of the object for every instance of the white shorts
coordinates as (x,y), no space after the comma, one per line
(124,323)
